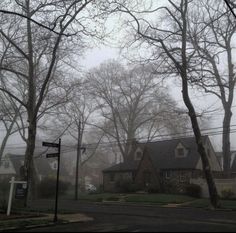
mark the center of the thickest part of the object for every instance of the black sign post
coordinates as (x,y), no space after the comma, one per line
(54,155)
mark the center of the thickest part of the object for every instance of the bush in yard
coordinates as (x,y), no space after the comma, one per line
(193,190)
(170,187)
(153,189)
(4,191)
(126,186)
(47,188)
(227,194)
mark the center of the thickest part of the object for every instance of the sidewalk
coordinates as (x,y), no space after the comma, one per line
(46,220)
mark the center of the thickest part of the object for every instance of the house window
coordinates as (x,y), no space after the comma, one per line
(180,152)
(112,177)
(147,178)
(182,177)
(168,175)
(139,155)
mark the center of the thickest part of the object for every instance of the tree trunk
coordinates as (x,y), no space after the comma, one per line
(226,142)
(29,162)
(201,150)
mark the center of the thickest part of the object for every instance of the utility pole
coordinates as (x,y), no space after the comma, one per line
(77,161)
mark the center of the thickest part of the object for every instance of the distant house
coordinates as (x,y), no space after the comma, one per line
(7,169)
(233,161)
(157,163)
(12,165)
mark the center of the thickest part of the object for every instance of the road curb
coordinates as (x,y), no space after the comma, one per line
(50,224)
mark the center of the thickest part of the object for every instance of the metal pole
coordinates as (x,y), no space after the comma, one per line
(58,176)
(77,162)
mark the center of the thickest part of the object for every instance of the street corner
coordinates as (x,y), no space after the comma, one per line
(74,218)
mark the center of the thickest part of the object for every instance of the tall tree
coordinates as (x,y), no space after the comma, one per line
(213,39)
(133,104)
(170,36)
(37,50)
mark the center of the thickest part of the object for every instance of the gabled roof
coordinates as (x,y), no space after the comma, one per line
(162,154)
(124,167)
(41,164)
(17,161)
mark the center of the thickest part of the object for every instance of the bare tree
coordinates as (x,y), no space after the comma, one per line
(37,50)
(171,38)
(132,103)
(215,74)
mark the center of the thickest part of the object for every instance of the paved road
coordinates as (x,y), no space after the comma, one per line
(123,218)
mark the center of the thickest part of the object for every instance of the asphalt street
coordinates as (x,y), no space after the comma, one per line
(133,218)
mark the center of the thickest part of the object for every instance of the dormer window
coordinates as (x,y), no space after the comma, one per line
(180,151)
(138,155)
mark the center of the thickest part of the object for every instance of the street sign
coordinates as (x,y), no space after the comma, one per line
(54,155)
(55,145)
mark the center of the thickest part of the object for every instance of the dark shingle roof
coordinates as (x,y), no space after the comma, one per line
(124,167)
(162,154)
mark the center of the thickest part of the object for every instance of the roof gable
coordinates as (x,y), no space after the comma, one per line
(163,154)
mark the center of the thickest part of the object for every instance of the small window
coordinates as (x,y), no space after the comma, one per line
(139,155)
(112,177)
(147,178)
(182,177)
(180,152)
(168,175)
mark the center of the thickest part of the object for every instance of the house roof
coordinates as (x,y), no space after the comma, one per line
(17,161)
(162,154)
(124,167)
(41,164)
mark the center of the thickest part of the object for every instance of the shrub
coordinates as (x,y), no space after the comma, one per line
(47,188)
(193,190)
(170,187)
(126,186)
(153,189)
(227,194)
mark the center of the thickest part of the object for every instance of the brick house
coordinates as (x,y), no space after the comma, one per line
(162,162)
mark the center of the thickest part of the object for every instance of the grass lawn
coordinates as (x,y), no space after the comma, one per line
(161,199)
(158,199)
(205,203)
(99,197)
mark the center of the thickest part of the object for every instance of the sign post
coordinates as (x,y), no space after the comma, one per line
(55,155)
(20,192)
